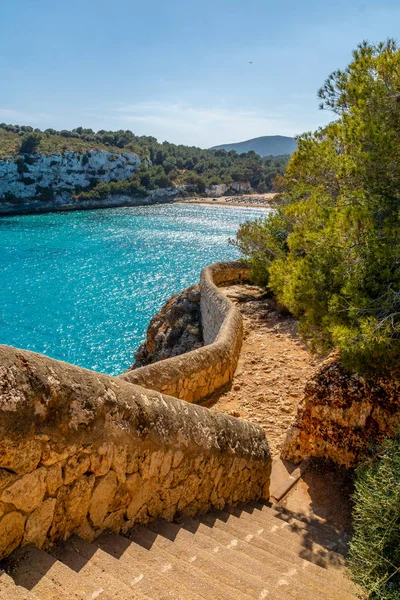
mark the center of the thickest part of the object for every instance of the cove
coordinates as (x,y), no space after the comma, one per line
(82,286)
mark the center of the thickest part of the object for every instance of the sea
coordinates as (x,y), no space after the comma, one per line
(82,286)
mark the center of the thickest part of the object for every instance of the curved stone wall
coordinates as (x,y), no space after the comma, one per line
(81,452)
(197,375)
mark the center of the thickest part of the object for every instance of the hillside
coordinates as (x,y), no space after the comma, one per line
(86,166)
(267,145)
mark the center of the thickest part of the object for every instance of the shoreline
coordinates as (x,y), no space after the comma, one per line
(259,201)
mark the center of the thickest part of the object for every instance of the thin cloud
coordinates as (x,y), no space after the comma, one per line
(24,118)
(182,123)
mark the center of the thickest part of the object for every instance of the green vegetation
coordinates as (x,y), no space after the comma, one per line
(375,548)
(331,252)
(170,164)
(29,144)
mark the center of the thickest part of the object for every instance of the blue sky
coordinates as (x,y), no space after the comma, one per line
(179,69)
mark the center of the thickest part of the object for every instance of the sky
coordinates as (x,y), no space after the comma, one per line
(201,73)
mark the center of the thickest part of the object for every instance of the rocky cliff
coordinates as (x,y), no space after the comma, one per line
(343,416)
(39,183)
(174,330)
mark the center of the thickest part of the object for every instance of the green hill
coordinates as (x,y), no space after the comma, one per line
(268,145)
(163,164)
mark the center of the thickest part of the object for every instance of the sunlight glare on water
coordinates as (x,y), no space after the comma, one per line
(82,286)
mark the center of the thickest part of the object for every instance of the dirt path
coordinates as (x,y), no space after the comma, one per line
(273,368)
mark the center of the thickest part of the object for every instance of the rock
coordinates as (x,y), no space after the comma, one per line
(342,416)
(27,492)
(119,462)
(54,479)
(234,413)
(175,330)
(100,463)
(237,387)
(75,467)
(11,532)
(64,172)
(103,495)
(38,523)
(193,295)
(21,457)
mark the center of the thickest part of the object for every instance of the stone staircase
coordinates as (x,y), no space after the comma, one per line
(249,552)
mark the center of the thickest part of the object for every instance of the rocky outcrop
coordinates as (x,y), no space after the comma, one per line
(37,183)
(198,374)
(33,175)
(174,330)
(343,416)
(81,452)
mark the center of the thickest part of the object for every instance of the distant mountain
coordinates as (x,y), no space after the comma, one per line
(268,145)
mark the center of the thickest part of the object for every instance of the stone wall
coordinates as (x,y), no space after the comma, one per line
(197,375)
(81,452)
(342,416)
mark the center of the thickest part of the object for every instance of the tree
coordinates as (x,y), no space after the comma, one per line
(340,272)
(29,143)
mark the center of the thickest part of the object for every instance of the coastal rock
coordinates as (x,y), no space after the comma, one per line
(174,330)
(32,175)
(343,415)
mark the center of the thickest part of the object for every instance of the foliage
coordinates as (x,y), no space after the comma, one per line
(30,143)
(176,164)
(375,548)
(339,269)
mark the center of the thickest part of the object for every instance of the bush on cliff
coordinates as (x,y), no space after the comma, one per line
(30,143)
(375,548)
(336,265)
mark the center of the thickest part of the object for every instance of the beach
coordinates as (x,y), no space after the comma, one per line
(246,200)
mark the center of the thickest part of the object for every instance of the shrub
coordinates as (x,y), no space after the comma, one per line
(30,142)
(44,194)
(375,549)
(21,166)
(28,180)
(339,268)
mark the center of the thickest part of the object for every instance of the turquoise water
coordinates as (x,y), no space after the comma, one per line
(82,286)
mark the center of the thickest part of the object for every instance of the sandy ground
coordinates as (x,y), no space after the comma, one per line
(246,201)
(273,369)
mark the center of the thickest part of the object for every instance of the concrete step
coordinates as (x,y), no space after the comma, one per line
(296,535)
(321,533)
(272,577)
(9,590)
(146,580)
(250,556)
(49,579)
(222,582)
(141,550)
(284,548)
(80,558)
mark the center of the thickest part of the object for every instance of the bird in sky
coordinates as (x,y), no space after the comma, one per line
(250,62)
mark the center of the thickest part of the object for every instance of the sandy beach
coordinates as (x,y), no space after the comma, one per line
(245,201)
